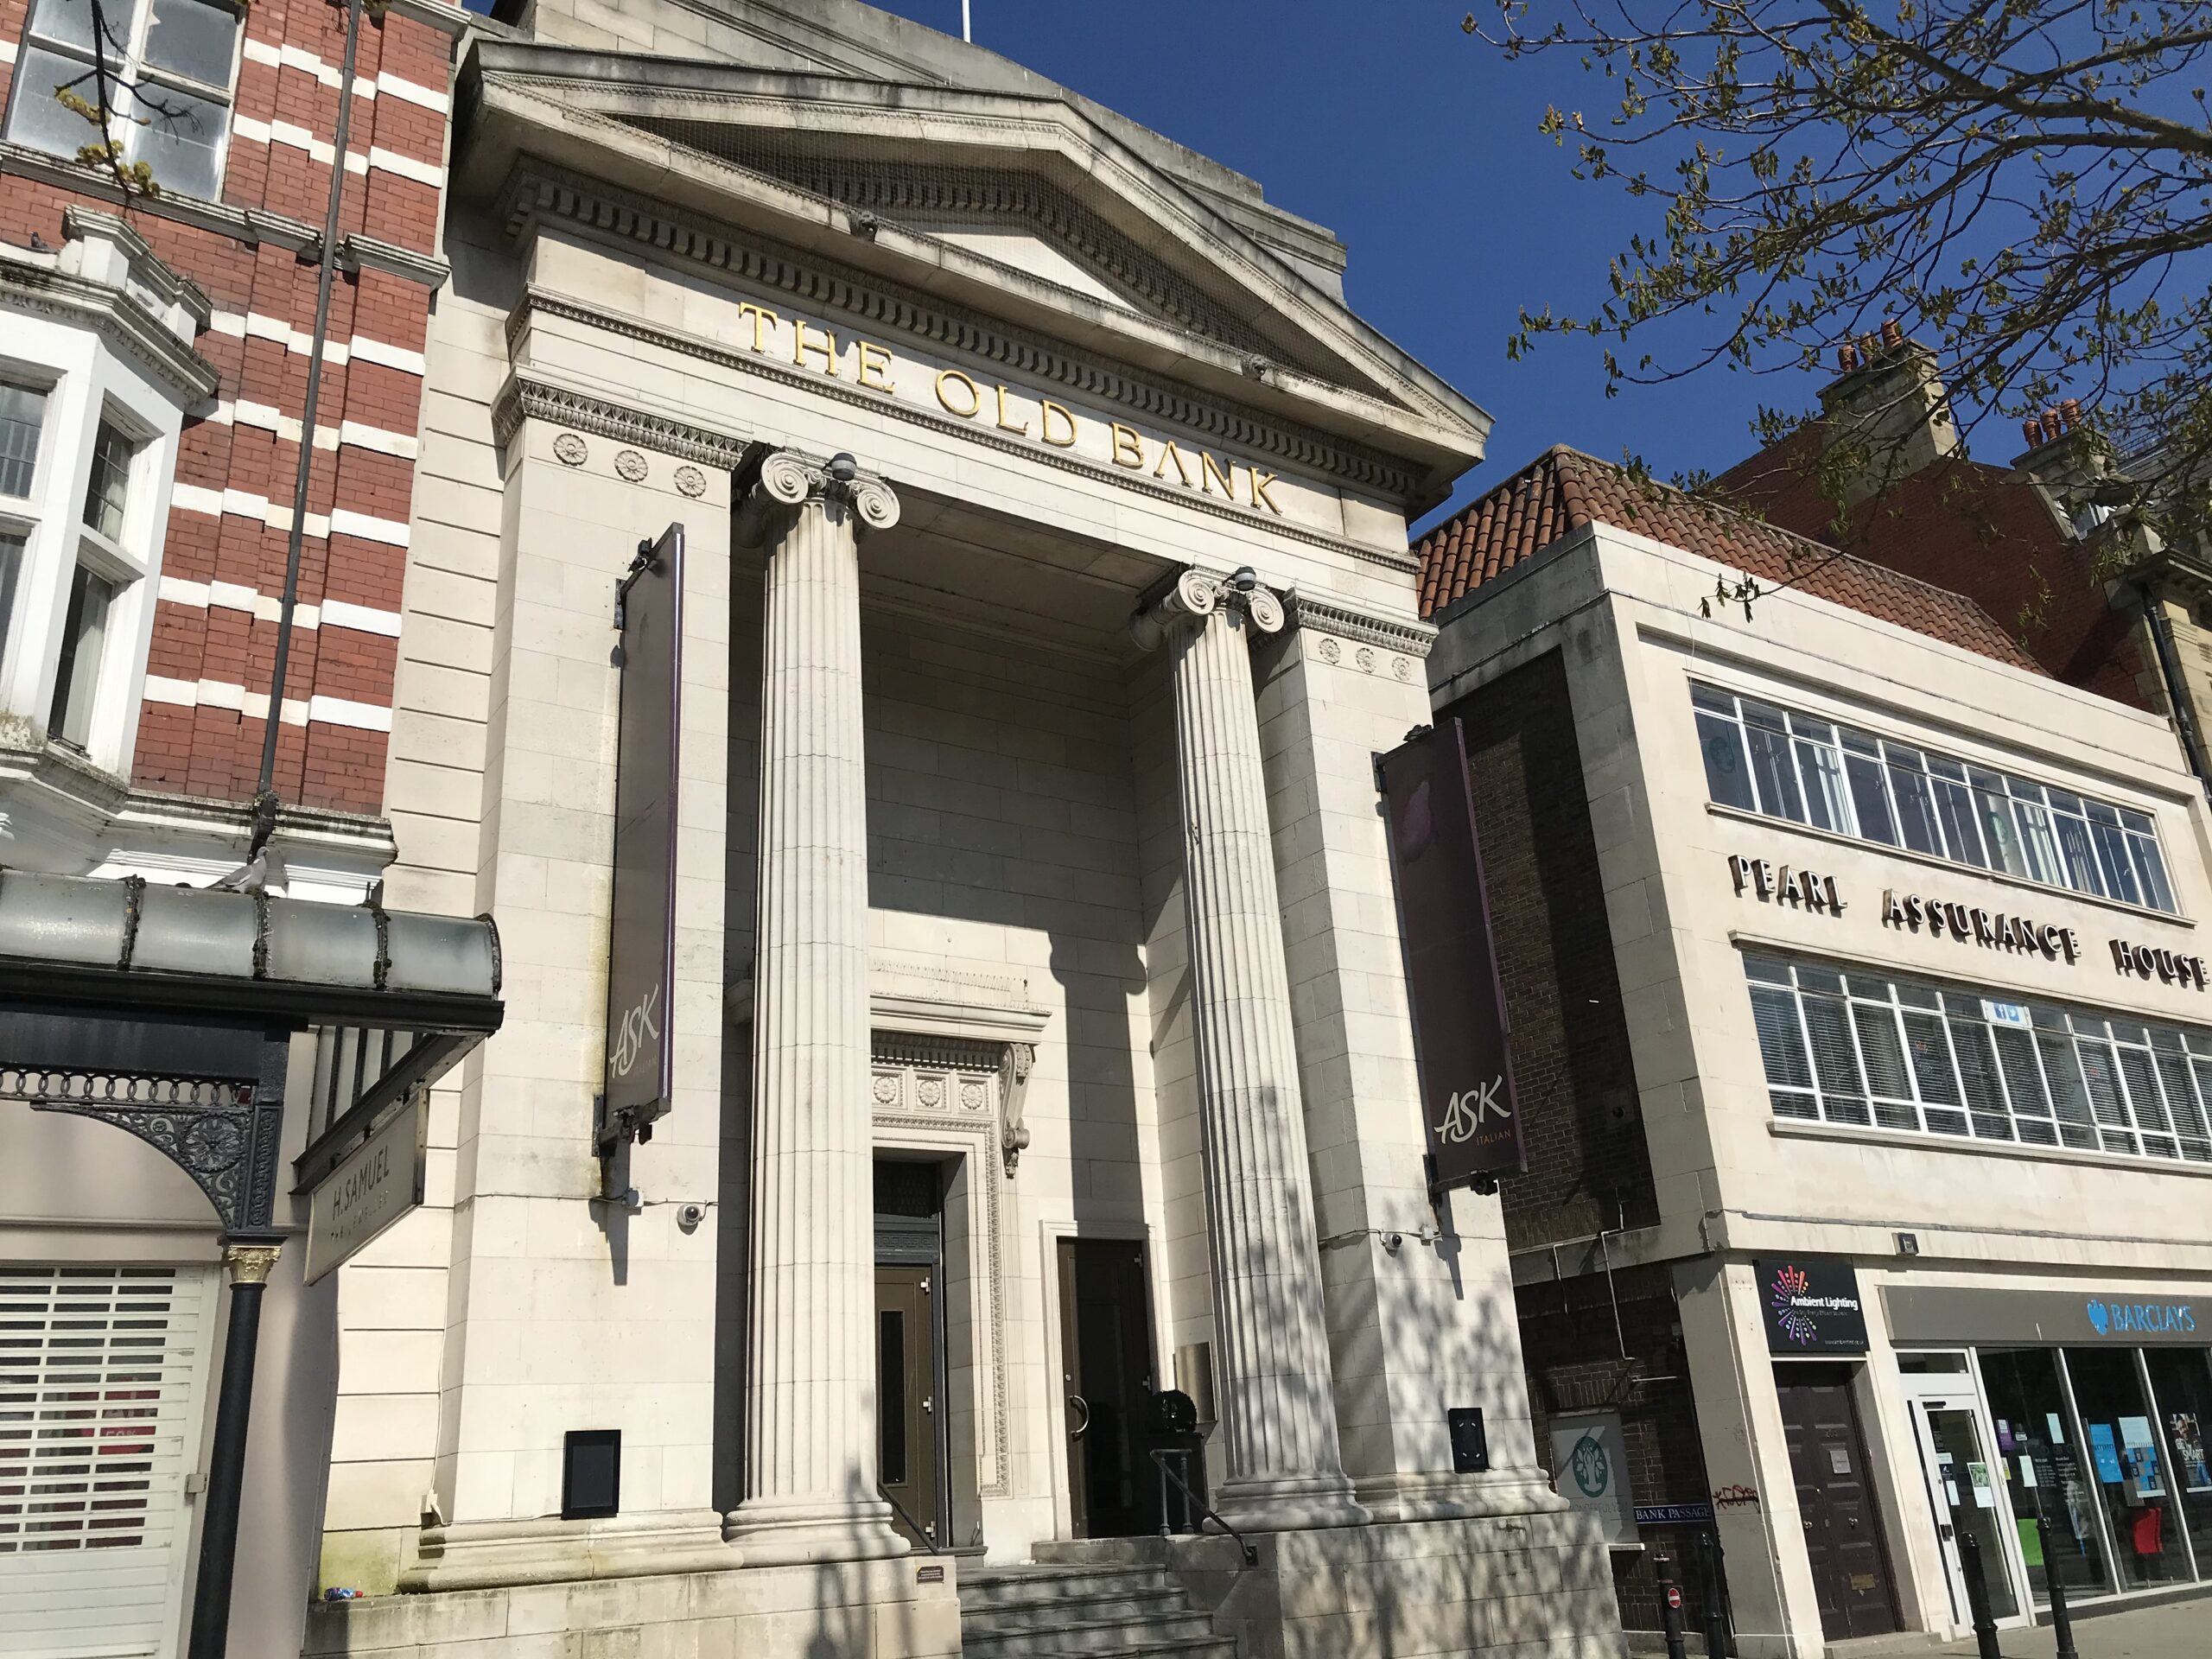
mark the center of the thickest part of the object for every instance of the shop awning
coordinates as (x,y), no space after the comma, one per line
(169,1012)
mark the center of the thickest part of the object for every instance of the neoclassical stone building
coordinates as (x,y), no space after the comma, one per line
(1038,1034)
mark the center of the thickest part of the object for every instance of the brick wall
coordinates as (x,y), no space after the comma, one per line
(1597,1343)
(214,639)
(1589,1169)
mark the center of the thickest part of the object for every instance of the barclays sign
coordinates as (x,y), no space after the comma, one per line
(1949,1315)
(2140,1319)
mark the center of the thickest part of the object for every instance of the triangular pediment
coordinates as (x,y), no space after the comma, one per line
(1031,208)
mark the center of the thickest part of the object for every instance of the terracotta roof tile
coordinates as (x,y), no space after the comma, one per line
(1563,490)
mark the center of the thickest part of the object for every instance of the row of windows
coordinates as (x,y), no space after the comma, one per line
(102,524)
(167,65)
(1867,1050)
(1766,759)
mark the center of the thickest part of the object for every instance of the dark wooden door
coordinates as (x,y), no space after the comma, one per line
(906,1408)
(1843,1528)
(1107,1382)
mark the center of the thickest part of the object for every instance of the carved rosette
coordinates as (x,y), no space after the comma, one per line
(1197,595)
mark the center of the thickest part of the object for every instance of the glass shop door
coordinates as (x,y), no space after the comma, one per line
(1966,1489)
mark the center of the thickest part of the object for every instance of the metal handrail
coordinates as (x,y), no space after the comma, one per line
(927,1534)
(1192,1501)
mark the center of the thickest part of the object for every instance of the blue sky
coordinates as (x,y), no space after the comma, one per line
(1418,146)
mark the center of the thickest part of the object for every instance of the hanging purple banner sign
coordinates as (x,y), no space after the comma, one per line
(641,937)
(1452,975)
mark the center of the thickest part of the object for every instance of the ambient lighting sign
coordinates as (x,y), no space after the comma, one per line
(1811,1308)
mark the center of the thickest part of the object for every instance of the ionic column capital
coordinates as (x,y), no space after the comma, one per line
(790,479)
(1196,595)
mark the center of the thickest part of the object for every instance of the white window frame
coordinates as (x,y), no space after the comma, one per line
(130,71)
(1971,784)
(86,381)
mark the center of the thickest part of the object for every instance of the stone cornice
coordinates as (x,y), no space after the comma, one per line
(358,251)
(251,225)
(527,396)
(537,192)
(170,287)
(28,283)
(537,301)
(1323,616)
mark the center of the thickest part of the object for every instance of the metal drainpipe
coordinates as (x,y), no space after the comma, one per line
(2162,640)
(263,796)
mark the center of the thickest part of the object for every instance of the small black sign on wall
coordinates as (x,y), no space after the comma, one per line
(591,1474)
(1469,1444)
(1811,1307)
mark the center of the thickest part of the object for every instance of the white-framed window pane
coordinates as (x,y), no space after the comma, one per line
(107,491)
(1916,806)
(2152,869)
(36,117)
(181,138)
(76,680)
(1869,800)
(13,545)
(23,416)
(1822,769)
(194,39)
(2081,857)
(1727,780)
(69,22)
(1772,769)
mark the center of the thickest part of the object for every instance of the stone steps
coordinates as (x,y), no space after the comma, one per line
(1083,1612)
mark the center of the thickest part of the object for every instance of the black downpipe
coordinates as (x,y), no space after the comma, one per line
(264,796)
(219,1519)
(2162,641)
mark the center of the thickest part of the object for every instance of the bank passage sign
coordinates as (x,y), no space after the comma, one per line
(1458,1002)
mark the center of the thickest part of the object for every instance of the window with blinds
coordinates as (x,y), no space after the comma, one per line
(95,1374)
(1782,764)
(1865,1049)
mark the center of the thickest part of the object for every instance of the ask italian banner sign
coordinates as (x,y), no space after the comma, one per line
(1452,972)
(641,941)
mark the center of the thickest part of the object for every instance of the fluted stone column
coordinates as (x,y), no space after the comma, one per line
(1271,1345)
(809,1411)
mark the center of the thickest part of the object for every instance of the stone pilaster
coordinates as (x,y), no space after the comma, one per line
(1271,1345)
(810,1414)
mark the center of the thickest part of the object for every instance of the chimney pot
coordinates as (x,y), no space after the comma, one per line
(1847,357)
(2031,429)
(1893,334)
(2049,425)
(2069,413)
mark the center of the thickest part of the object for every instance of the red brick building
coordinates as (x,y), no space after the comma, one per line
(155,363)
(2028,542)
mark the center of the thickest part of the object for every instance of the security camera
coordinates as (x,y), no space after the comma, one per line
(1244,579)
(1393,1242)
(844,468)
(689,1216)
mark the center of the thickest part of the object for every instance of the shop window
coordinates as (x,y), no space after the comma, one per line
(2181,1386)
(1760,758)
(2131,1474)
(170,64)
(2045,1473)
(1870,1051)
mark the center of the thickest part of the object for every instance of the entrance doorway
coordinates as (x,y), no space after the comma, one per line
(1843,1530)
(1965,1483)
(910,1383)
(1107,1381)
